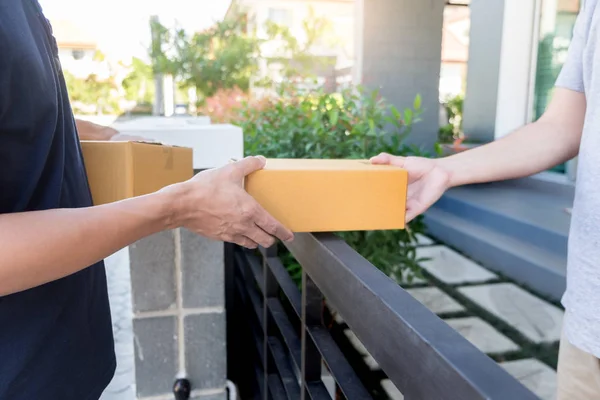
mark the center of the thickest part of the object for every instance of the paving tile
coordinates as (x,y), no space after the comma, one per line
(372,363)
(535,318)
(534,375)
(482,335)
(391,390)
(217,396)
(356,342)
(328,381)
(423,240)
(452,268)
(436,300)
(406,278)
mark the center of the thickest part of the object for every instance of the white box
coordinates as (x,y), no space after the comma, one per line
(213,145)
(154,122)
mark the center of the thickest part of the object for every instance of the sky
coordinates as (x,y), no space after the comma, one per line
(121,26)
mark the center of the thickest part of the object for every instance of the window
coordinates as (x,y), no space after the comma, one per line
(78,54)
(557,20)
(280,16)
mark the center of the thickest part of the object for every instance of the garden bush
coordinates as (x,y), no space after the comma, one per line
(352,124)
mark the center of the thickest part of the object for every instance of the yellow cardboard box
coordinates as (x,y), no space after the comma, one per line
(331,195)
(120,170)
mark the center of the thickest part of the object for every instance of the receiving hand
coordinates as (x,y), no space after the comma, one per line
(427,181)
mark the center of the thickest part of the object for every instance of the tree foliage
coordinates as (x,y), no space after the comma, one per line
(139,83)
(221,57)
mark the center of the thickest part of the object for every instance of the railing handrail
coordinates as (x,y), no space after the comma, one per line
(285,338)
(409,342)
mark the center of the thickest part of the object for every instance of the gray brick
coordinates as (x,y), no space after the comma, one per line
(203,271)
(153,272)
(205,353)
(217,396)
(156,355)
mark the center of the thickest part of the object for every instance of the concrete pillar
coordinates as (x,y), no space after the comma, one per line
(483,73)
(399,50)
(179,315)
(500,75)
(177,280)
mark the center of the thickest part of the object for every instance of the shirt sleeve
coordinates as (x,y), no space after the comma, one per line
(571,75)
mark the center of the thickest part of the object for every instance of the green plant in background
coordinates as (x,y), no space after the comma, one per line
(297,58)
(139,83)
(352,124)
(453,130)
(221,57)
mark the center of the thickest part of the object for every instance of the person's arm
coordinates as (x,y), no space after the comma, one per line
(550,141)
(536,147)
(90,131)
(553,139)
(42,246)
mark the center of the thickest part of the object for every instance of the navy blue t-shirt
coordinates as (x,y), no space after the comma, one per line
(56,339)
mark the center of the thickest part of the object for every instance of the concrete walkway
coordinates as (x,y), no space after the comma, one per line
(122,386)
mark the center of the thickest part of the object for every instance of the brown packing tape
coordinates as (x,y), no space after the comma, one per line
(168,155)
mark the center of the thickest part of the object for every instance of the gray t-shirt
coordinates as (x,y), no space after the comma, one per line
(582,298)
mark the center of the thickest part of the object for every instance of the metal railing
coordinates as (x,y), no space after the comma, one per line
(279,335)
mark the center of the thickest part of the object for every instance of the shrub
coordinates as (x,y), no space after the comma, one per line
(453,130)
(351,124)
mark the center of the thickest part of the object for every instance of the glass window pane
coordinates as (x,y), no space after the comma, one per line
(556,30)
(557,21)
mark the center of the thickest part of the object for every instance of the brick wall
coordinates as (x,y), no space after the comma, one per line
(179,315)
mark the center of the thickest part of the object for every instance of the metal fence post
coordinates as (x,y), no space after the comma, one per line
(312,311)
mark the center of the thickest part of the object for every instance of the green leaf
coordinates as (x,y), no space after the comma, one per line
(396,113)
(333,117)
(417,102)
(408,116)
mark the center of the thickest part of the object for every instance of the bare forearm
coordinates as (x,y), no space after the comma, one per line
(42,246)
(90,131)
(532,149)
(552,140)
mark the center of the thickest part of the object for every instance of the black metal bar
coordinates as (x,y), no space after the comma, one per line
(276,389)
(285,370)
(316,391)
(312,307)
(286,330)
(345,377)
(270,290)
(287,285)
(408,341)
(229,272)
(253,264)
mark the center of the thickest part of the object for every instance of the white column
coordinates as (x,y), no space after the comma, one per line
(515,81)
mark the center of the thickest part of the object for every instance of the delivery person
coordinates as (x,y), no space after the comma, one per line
(56,339)
(570,126)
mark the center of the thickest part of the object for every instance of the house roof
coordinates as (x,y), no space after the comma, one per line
(69,34)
